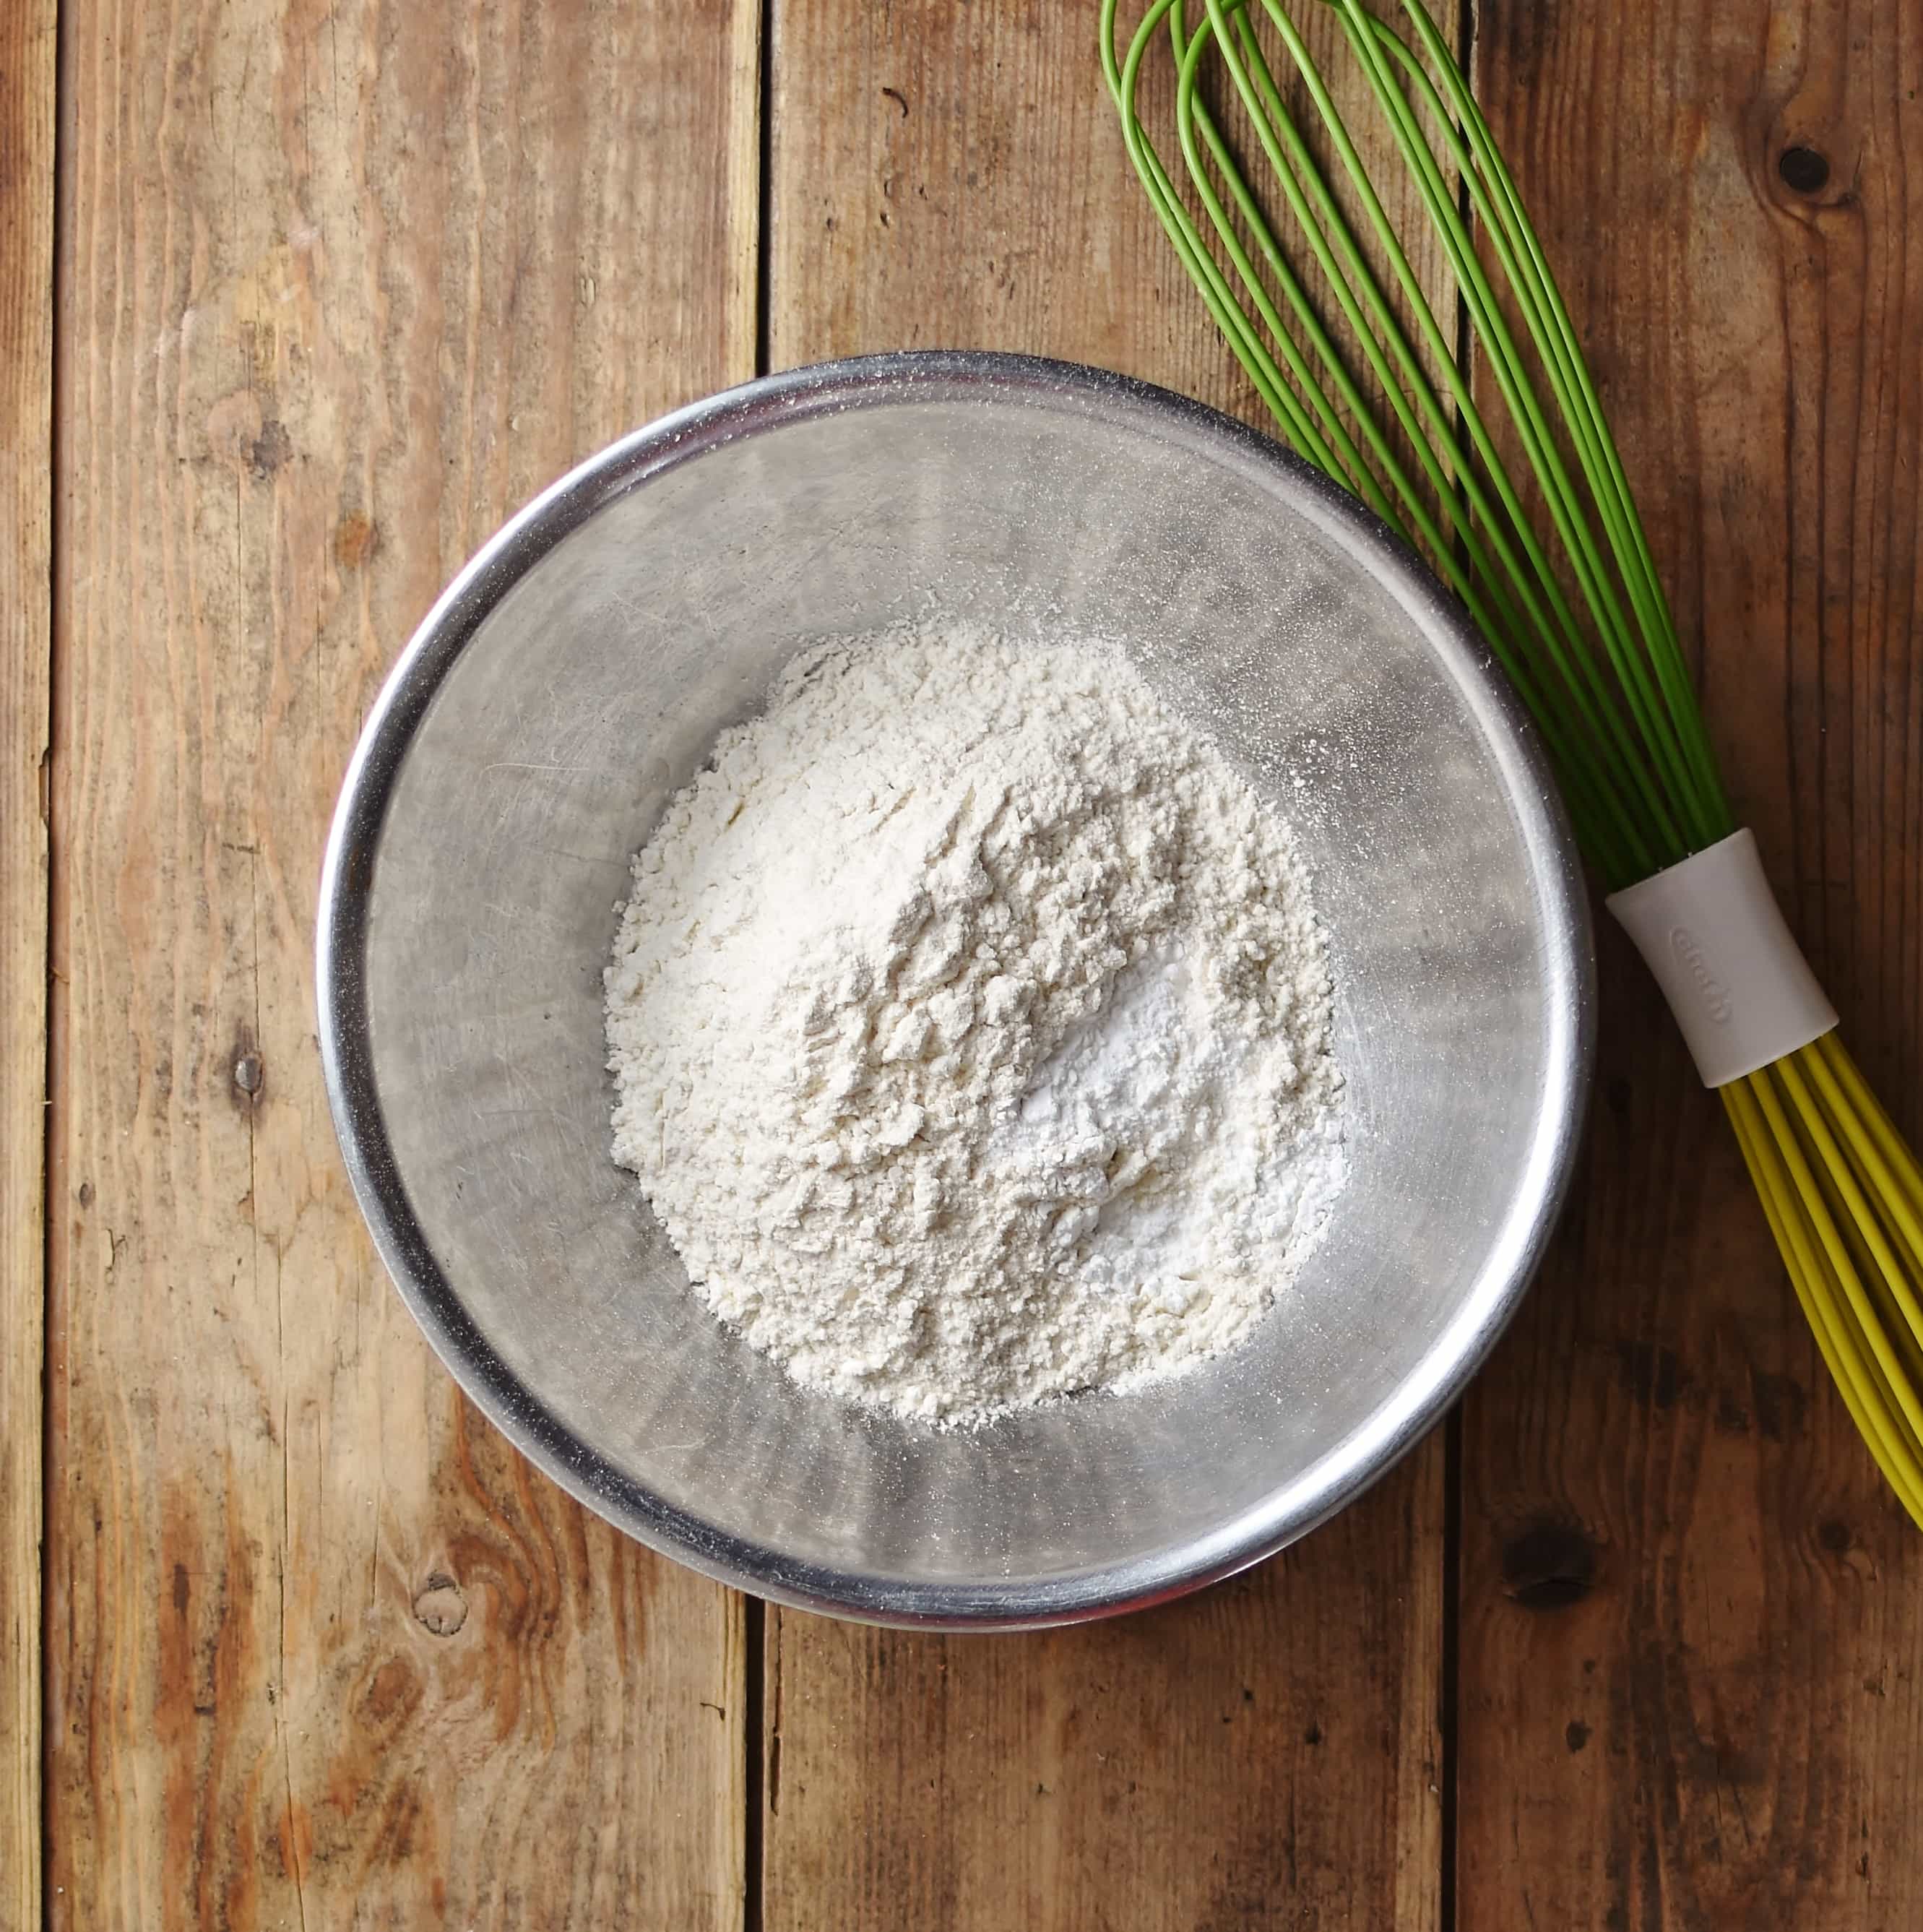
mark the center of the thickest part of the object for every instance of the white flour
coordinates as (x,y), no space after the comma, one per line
(969,1025)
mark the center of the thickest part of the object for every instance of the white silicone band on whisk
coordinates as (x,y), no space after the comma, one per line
(1737,981)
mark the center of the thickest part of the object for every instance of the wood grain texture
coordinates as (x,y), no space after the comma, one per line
(1692,1619)
(344,284)
(1264,1754)
(26,397)
(1267,1754)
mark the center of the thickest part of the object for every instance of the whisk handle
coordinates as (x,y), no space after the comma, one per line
(1736,979)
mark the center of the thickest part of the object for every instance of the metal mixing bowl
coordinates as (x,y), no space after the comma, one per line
(576,672)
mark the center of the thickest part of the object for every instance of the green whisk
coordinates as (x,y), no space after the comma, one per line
(1343,343)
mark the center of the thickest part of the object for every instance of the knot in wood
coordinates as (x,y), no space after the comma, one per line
(1549,1567)
(441,1608)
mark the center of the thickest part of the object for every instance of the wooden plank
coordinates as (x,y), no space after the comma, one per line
(1268,1754)
(1262,1755)
(1692,1618)
(343,284)
(26,503)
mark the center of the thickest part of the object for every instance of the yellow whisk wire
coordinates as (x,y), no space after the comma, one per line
(1840,1346)
(1886,1158)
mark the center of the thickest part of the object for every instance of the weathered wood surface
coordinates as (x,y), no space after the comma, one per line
(1692,1619)
(1268,1753)
(26,393)
(342,286)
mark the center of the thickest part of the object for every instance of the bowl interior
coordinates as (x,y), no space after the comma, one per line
(594,686)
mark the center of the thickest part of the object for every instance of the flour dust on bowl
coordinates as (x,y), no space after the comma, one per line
(577,678)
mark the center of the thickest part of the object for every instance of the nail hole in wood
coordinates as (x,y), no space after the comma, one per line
(1803,169)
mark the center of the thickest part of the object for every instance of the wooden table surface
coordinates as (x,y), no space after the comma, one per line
(298,298)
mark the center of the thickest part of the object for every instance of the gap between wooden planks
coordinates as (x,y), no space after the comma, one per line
(27,83)
(341,287)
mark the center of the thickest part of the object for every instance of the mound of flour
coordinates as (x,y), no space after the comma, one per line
(969,1025)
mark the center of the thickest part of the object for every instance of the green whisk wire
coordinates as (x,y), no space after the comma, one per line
(1366,385)
(1501,621)
(1611,695)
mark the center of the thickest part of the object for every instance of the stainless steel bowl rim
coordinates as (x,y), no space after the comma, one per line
(754,408)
